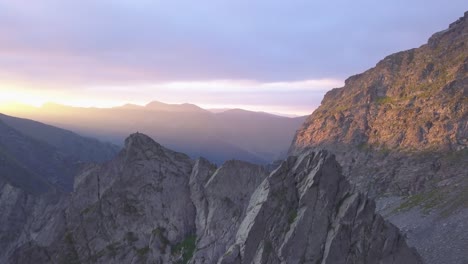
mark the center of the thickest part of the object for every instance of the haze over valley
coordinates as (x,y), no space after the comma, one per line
(228,134)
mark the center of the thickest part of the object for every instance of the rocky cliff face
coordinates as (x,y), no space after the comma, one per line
(153,205)
(410,104)
(23,214)
(221,198)
(306,212)
(400,132)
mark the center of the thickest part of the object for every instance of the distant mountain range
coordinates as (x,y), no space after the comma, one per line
(221,135)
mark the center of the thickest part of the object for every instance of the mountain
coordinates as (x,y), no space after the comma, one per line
(17,169)
(75,146)
(400,131)
(35,156)
(232,134)
(31,164)
(38,163)
(153,205)
(221,110)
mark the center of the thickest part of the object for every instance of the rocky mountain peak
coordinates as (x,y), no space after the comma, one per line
(460,20)
(140,147)
(140,141)
(455,30)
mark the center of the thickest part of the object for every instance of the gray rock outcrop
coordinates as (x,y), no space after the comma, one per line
(222,205)
(306,212)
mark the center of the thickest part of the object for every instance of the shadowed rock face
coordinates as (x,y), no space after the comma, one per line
(306,212)
(222,202)
(153,205)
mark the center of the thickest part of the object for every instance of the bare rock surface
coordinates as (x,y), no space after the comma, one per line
(154,205)
(223,205)
(306,212)
(404,122)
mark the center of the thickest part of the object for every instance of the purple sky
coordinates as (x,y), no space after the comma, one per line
(264,55)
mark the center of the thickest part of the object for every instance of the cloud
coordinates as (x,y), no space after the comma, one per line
(113,42)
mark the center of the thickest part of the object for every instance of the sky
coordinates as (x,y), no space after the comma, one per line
(264,55)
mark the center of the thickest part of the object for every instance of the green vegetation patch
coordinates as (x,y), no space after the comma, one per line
(363,146)
(341,108)
(142,251)
(292,216)
(98,255)
(457,202)
(456,156)
(69,238)
(113,248)
(384,100)
(129,208)
(268,247)
(131,237)
(186,248)
(384,150)
(159,232)
(427,201)
(71,255)
(88,209)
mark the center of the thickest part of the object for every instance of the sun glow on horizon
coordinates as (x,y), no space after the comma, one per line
(22,107)
(273,97)
(14,95)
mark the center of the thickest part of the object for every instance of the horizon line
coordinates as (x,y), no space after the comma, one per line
(22,107)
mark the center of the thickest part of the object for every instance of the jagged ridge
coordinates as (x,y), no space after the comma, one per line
(153,205)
